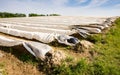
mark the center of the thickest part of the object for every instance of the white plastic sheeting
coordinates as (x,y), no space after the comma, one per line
(38,29)
(59,24)
(37,49)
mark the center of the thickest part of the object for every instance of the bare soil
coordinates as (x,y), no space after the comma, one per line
(13,66)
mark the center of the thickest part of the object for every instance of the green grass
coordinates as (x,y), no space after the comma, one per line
(2,71)
(107,61)
(75,69)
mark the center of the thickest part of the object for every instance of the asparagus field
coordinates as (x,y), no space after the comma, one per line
(60,40)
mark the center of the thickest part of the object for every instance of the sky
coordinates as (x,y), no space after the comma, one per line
(63,7)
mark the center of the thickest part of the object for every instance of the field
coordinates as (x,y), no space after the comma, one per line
(102,59)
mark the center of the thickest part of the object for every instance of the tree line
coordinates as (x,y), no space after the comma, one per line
(34,14)
(8,15)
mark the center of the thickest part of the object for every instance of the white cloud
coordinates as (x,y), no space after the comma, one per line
(117,6)
(95,3)
(59,2)
(81,1)
(88,12)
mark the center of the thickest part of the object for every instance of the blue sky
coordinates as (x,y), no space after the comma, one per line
(63,7)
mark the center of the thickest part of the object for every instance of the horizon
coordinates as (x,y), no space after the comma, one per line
(63,7)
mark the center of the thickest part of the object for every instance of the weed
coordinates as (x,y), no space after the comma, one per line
(69,59)
(2,71)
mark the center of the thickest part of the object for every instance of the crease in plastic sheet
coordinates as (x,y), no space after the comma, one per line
(68,40)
